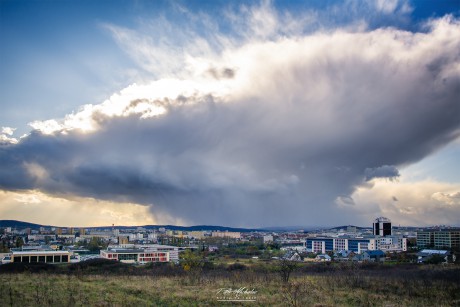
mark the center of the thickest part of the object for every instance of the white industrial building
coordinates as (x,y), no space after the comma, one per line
(134,253)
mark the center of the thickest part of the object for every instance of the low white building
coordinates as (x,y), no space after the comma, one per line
(268,239)
(136,253)
(5,258)
(392,243)
(323,258)
(426,254)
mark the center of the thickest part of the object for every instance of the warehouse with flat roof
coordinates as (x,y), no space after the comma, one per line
(47,256)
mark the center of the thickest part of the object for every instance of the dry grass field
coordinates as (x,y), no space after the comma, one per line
(309,285)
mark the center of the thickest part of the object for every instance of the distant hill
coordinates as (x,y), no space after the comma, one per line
(19,224)
(292,228)
(345,227)
(190,228)
(22,225)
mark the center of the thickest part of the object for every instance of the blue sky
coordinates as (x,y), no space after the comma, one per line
(52,48)
(57,56)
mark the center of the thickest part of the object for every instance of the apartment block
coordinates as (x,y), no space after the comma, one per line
(439,238)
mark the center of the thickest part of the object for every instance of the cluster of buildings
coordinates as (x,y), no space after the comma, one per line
(141,245)
(373,244)
(381,239)
(111,235)
(128,253)
(130,245)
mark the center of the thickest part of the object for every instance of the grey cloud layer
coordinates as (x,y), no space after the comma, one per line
(320,116)
(385,171)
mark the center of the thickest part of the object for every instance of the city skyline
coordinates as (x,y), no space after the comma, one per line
(243,114)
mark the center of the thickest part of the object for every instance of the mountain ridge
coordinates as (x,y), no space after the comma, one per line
(22,225)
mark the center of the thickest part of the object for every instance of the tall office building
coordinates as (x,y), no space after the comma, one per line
(382,227)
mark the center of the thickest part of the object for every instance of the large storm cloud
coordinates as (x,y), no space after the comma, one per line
(268,133)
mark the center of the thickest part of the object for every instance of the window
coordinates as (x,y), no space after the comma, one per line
(127,257)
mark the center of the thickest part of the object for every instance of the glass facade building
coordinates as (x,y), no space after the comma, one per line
(382,227)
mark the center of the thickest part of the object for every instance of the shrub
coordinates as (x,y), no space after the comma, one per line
(15,267)
(236,267)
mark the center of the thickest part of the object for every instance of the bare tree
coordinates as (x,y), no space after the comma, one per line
(285,267)
(298,293)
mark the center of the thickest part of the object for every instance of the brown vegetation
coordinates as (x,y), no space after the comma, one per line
(106,283)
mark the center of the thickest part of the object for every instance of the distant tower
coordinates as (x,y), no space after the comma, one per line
(382,227)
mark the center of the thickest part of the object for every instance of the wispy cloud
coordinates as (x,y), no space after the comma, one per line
(411,203)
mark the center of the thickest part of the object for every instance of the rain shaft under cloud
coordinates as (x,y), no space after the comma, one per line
(267,133)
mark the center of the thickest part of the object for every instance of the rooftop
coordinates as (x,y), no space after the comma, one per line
(125,250)
(35,252)
(382,220)
(434,251)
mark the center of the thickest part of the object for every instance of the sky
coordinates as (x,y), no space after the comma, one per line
(234,113)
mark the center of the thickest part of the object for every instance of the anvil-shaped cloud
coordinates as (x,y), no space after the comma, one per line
(266,133)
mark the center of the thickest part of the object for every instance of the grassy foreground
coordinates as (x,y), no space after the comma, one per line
(309,285)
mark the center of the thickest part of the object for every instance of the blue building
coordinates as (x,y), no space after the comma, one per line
(325,244)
